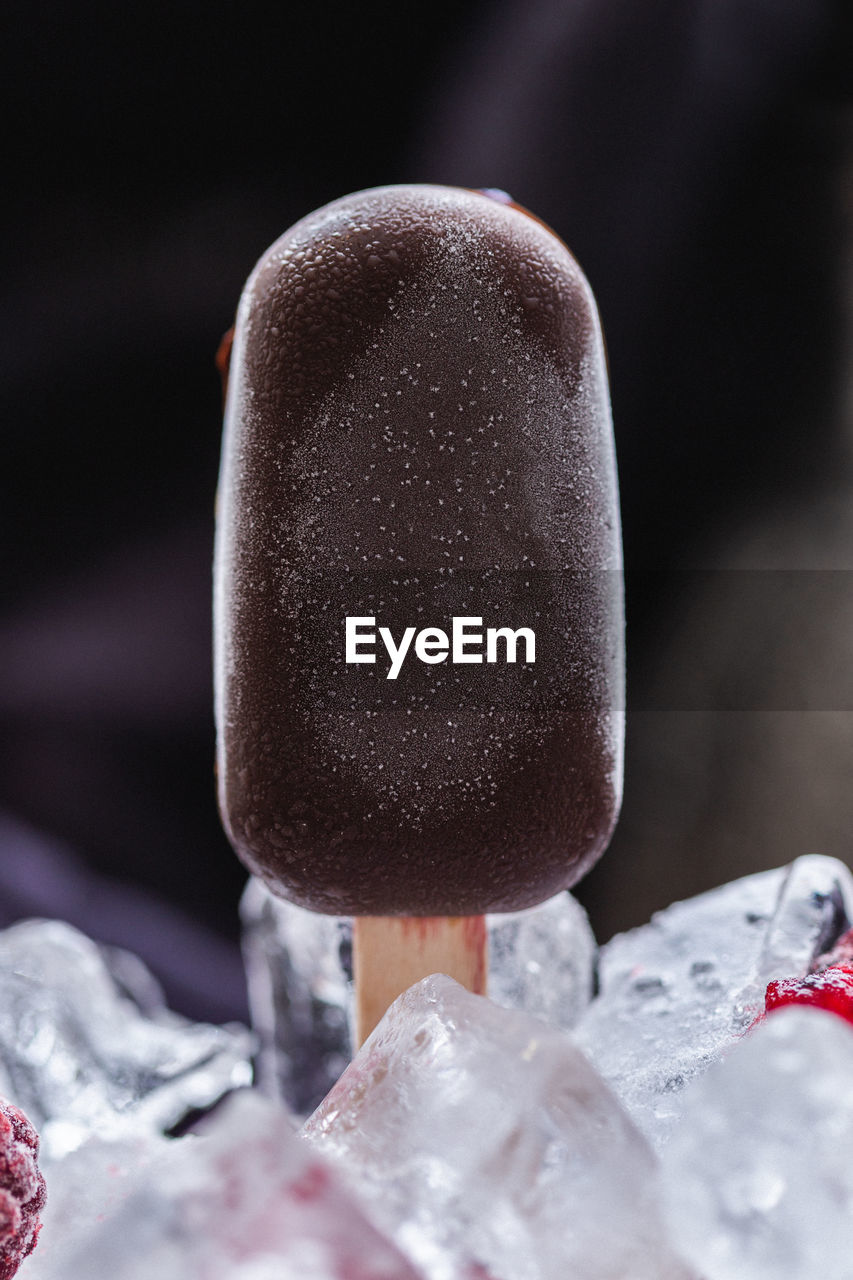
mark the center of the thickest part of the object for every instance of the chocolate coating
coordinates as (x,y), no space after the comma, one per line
(418,427)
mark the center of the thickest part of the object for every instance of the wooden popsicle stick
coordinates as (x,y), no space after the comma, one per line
(390,953)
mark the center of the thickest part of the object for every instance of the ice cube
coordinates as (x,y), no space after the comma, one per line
(758,1172)
(244,1200)
(543,960)
(299,967)
(89,1049)
(675,992)
(299,976)
(486,1144)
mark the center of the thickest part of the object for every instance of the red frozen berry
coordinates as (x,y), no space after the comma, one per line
(22,1189)
(830,988)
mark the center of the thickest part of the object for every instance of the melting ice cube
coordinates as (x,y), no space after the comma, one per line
(758,1174)
(677,991)
(89,1047)
(299,967)
(244,1200)
(478,1137)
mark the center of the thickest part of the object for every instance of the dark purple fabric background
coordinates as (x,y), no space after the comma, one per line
(691,155)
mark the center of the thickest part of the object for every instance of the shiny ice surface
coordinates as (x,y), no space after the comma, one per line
(243,1200)
(466,1141)
(759,1175)
(299,975)
(486,1145)
(299,968)
(678,991)
(88,1046)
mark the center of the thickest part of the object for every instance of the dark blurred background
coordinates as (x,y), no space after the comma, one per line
(695,155)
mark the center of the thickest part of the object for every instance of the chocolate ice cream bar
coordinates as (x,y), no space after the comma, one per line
(418,589)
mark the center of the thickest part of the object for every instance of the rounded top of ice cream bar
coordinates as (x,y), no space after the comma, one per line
(340,265)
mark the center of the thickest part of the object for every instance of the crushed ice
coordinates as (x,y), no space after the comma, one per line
(646,1131)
